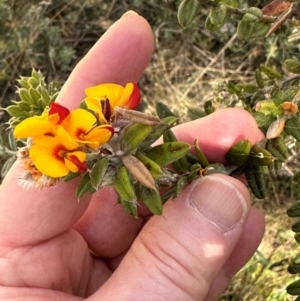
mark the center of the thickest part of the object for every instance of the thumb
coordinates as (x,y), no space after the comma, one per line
(179,256)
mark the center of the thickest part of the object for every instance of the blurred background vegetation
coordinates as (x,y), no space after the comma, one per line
(189,66)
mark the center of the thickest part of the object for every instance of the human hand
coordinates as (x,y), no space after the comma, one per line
(189,253)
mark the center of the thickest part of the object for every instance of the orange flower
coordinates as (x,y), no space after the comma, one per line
(58,136)
(80,124)
(102,99)
(57,156)
(46,124)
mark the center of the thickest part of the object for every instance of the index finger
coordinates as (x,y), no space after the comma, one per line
(33,215)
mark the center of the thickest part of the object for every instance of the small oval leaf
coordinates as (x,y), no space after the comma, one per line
(123,185)
(293,65)
(278,149)
(260,156)
(98,172)
(167,153)
(151,198)
(84,186)
(200,155)
(294,210)
(255,176)
(239,153)
(187,11)
(134,134)
(292,127)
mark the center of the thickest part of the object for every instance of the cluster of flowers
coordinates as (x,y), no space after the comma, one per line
(58,141)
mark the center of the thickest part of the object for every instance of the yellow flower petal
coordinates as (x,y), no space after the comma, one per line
(127,91)
(78,123)
(94,105)
(99,135)
(111,91)
(34,126)
(46,162)
(48,153)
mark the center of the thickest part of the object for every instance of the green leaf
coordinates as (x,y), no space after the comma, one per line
(194,112)
(260,156)
(157,131)
(169,120)
(294,210)
(129,207)
(34,81)
(278,149)
(123,185)
(187,11)
(296,178)
(218,15)
(250,28)
(297,238)
(152,166)
(194,172)
(23,82)
(163,110)
(181,183)
(292,127)
(35,97)
(24,95)
(26,107)
(12,141)
(239,153)
(231,3)
(260,29)
(246,88)
(208,107)
(255,176)
(270,72)
(296,227)
(200,155)
(249,18)
(293,65)
(238,171)
(15,111)
(71,175)
(181,165)
(259,79)
(151,198)
(245,29)
(44,95)
(134,134)
(294,288)
(212,27)
(84,186)
(169,136)
(294,266)
(288,94)
(98,172)
(263,121)
(253,14)
(7,165)
(167,153)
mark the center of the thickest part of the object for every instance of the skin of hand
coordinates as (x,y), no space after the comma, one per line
(190,253)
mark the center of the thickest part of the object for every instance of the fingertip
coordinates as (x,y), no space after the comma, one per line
(119,56)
